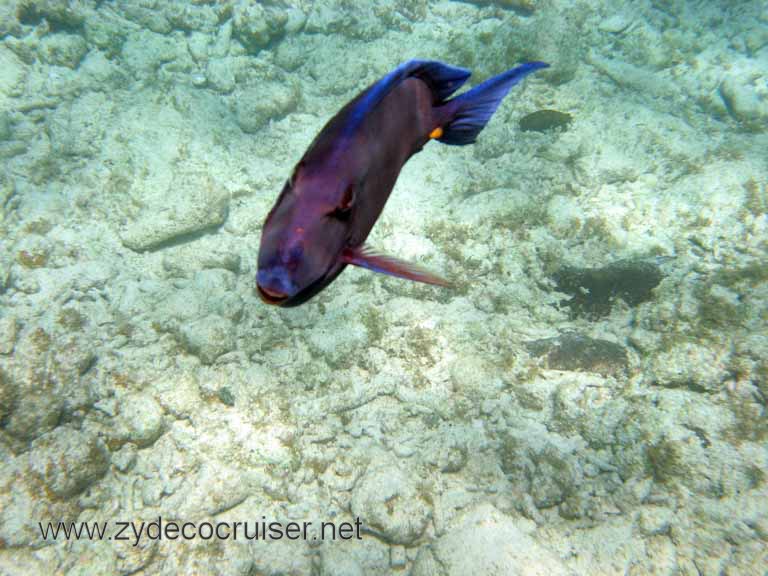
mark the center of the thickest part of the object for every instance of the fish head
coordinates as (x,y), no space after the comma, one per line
(303,238)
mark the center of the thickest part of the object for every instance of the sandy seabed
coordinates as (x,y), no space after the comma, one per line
(589,398)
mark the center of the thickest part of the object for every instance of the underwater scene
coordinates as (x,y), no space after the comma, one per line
(404,287)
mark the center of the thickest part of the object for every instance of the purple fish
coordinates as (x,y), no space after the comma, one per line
(338,189)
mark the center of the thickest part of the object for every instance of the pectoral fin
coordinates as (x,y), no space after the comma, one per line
(366,257)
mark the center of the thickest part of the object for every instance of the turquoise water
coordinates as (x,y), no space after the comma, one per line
(588,397)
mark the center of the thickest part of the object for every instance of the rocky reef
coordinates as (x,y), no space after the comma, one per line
(589,398)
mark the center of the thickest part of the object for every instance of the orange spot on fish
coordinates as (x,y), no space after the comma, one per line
(299,230)
(436,133)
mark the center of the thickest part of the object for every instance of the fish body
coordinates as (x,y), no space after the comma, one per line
(338,189)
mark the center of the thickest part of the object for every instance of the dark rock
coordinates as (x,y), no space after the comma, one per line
(226,396)
(522,7)
(593,290)
(579,353)
(543,120)
(59,14)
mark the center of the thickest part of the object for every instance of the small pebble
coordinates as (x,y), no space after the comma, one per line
(615,24)
(199,80)
(397,557)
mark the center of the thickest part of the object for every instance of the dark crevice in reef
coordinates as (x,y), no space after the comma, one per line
(580,353)
(593,290)
(182,238)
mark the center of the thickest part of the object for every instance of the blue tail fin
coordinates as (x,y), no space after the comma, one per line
(471,111)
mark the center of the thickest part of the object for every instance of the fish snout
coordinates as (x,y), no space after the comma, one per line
(270,297)
(274,286)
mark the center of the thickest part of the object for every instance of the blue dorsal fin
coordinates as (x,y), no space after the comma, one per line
(443,79)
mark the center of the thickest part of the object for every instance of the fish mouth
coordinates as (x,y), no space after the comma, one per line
(271,296)
(277,298)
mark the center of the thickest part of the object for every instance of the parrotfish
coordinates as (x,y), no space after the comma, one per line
(338,189)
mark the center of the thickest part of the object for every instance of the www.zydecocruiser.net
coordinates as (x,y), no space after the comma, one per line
(161,529)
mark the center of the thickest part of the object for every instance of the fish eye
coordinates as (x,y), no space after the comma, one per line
(340,213)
